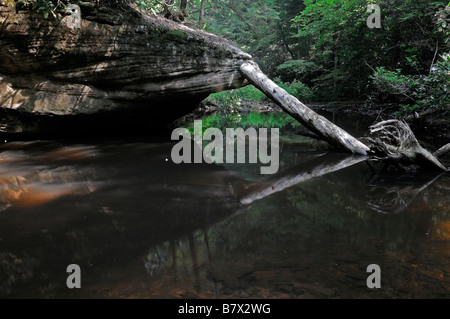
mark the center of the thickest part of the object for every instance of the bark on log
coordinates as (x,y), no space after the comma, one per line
(318,124)
(442,151)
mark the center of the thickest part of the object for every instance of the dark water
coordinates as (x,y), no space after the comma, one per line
(140,226)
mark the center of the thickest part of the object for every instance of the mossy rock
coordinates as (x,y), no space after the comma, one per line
(176,36)
(222,52)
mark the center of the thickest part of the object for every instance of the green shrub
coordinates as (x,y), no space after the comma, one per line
(417,92)
(229,103)
(253,119)
(268,120)
(300,70)
(248,92)
(297,89)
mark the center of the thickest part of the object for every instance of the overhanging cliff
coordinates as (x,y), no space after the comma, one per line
(118,59)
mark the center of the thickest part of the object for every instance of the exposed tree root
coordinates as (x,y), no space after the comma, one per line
(394,142)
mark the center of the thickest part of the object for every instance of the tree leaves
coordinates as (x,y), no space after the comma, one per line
(12,5)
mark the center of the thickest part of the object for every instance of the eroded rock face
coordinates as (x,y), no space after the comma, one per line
(116,60)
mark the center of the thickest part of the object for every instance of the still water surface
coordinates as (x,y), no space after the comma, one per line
(140,226)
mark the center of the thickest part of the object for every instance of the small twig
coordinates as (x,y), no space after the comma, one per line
(435,54)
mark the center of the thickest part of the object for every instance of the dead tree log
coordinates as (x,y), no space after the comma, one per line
(395,142)
(442,151)
(318,124)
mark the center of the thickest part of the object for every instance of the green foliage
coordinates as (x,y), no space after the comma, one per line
(154,6)
(297,70)
(229,103)
(443,22)
(253,119)
(297,89)
(417,92)
(268,120)
(323,49)
(169,7)
(260,27)
(346,49)
(248,92)
(394,81)
(48,8)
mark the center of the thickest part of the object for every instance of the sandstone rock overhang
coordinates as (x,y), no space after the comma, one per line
(119,59)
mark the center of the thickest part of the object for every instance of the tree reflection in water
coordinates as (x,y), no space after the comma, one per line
(390,196)
(217,263)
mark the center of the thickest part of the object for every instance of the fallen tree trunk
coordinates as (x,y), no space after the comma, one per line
(318,124)
(442,151)
(396,143)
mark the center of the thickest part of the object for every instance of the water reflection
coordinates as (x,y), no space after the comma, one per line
(393,194)
(142,227)
(33,178)
(296,245)
(326,164)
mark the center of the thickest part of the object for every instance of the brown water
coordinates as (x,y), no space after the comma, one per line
(140,226)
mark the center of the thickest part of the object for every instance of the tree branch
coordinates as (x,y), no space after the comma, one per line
(442,151)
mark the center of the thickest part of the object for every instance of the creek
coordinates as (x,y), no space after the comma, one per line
(140,226)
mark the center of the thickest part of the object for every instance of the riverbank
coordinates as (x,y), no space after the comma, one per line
(432,128)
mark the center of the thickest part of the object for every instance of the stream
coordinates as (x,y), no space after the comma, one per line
(140,226)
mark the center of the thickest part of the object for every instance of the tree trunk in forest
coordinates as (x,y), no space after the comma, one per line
(202,14)
(319,125)
(336,63)
(238,14)
(183,5)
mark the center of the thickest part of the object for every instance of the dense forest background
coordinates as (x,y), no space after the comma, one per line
(323,50)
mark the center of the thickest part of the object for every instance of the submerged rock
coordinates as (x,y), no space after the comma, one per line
(118,59)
